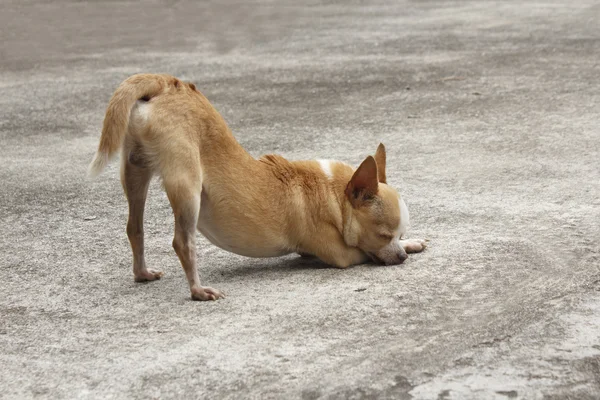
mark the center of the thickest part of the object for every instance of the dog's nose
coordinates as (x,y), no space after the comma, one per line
(399,259)
(402,257)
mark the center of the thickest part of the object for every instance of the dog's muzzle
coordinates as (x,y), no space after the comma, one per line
(397,259)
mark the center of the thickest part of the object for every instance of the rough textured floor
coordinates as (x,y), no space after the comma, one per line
(490,113)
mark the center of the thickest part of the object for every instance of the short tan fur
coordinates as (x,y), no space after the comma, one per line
(258,208)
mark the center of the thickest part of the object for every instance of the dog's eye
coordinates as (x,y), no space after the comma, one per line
(386,237)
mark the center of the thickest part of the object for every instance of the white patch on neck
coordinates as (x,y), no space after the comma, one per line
(404,217)
(326,167)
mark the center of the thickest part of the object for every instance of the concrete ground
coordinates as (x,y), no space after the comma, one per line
(490,113)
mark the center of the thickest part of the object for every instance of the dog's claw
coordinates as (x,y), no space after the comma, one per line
(305,255)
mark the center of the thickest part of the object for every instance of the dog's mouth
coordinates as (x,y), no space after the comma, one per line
(375,258)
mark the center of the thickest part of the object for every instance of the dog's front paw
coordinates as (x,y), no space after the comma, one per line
(147,275)
(413,245)
(205,293)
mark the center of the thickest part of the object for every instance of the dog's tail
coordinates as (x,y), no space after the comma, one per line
(116,120)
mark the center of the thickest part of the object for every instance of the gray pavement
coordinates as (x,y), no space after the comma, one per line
(490,113)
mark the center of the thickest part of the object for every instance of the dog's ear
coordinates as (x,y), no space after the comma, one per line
(363,185)
(380,160)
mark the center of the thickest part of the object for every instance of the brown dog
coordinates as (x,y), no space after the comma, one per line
(257,208)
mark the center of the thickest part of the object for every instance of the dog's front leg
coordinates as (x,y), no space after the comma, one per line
(186,207)
(344,256)
(413,245)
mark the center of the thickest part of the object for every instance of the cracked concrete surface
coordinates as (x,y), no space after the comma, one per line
(489,111)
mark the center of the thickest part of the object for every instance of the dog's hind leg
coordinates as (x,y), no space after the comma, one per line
(135,177)
(183,184)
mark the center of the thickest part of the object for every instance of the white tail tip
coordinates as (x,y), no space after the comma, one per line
(97,165)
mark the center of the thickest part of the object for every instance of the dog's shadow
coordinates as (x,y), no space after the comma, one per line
(275,267)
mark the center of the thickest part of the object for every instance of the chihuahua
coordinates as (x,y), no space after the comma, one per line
(262,207)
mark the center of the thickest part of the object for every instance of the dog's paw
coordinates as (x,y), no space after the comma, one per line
(147,275)
(205,293)
(414,245)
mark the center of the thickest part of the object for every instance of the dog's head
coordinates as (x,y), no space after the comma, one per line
(378,216)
